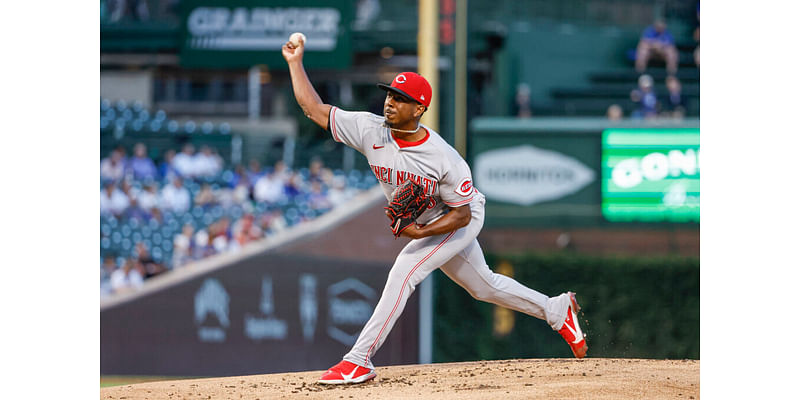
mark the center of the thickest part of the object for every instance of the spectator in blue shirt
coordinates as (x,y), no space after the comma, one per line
(645,99)
(674,105)
(657,40)
(167,170)
(140,166)
(254,172)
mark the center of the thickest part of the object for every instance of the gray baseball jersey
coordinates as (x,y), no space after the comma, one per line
(446,177)
(431,162)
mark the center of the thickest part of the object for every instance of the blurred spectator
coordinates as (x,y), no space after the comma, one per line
(113,167)
(294,186)
(317,199)
(175,197)
(338,193)
(254,172)
(206,197)
(657,40)
(273,222)
(614,112)
(674,105)
(645,99)
(156,215)
(245,231)
(126,278)
(125,187)
(167,169)
(522,101)
(219,234)
(184,161)
(112,200)
(241,193)
(315,170)
(318,172)
(224,197)
(268,189)
(281,172)
(135,211)
(207,162)
(183,246)
(202,246)
(109,266)
(239,173)
(148,198)
(147,265)
(140,166)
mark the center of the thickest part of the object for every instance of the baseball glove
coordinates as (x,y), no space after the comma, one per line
(408,202)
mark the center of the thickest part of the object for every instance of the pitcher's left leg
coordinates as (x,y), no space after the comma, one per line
(469,269)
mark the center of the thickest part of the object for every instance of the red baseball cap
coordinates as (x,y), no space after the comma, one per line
(411,85)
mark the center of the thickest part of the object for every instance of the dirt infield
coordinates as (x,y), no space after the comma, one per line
(510,379)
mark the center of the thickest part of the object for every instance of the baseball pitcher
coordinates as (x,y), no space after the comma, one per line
(432,201)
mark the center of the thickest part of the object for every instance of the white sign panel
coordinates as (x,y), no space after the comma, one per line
(261,28)
(527,175)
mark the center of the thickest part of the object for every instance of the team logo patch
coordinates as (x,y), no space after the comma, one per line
(465,187)
(400,78)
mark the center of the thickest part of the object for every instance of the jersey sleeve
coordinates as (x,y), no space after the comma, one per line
(456,189)
(348,127)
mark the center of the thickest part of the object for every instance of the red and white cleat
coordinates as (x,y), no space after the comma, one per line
(346,372)
(571,331)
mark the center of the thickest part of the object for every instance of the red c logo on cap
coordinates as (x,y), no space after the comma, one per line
(400,78)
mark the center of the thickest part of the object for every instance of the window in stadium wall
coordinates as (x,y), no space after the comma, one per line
(651,175)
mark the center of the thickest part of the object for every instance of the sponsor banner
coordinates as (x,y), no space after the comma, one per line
(528,175)
(243,33)
(269,313)
(537,179)
(651,175)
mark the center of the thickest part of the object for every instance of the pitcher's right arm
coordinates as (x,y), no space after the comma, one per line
(304,92)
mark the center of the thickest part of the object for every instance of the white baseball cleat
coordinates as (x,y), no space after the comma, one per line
(346,372)
(571,331)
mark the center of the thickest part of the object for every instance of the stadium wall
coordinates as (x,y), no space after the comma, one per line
(262,310)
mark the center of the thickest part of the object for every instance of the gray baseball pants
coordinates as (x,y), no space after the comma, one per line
(460,257)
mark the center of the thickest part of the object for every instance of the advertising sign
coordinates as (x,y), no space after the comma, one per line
(537,178)
(651,175)
(243,33)
(268,313)
(527,175)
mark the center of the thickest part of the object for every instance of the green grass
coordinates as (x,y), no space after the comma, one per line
(120,380)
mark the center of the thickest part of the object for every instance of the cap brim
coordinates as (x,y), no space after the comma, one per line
(398,91)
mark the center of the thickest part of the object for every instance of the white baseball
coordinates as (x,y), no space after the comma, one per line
(295,39)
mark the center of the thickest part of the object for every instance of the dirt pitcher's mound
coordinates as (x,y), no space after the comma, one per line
(590,378)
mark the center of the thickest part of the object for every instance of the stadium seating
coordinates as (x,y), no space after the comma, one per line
(613,86)
(119,234)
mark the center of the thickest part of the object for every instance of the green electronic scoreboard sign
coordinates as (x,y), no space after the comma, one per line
(651,175)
